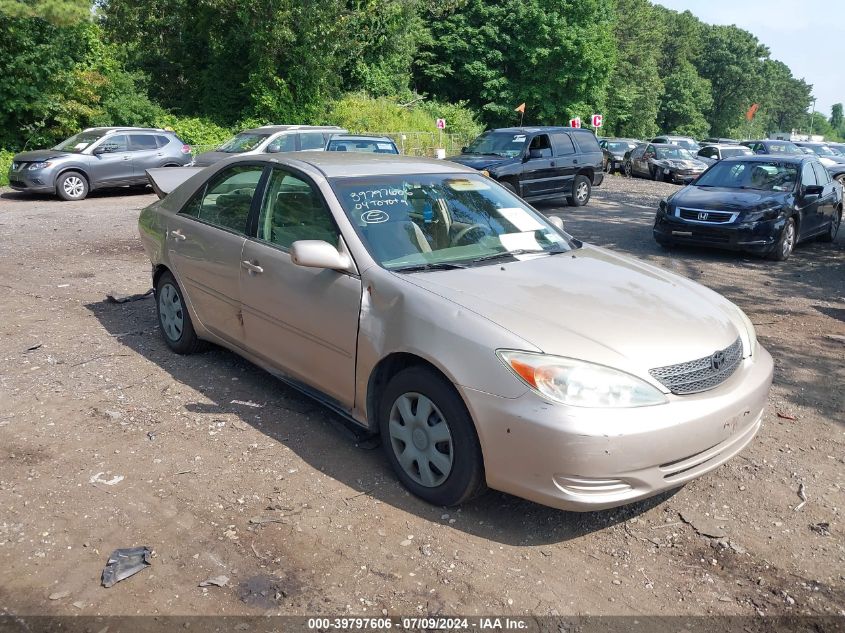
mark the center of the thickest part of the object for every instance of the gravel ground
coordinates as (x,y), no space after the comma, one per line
(108,440)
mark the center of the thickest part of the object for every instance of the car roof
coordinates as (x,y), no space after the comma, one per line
(811,143)
(765,158)
(352,164)
(540,128)
(623,140)
(106,130)
(666,145)
(360,137)
(726,145)
(272,129)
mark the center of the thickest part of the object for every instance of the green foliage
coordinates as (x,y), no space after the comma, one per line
(554,55)
(836,119)
(58,12)
(635,85)
(685,100)
(5,163)
(195,130)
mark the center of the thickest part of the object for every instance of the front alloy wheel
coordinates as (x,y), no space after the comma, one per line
(786,243)
(421,440)
(429,437)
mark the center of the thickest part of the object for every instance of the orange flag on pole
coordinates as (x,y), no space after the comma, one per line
(751,111)
(520,108)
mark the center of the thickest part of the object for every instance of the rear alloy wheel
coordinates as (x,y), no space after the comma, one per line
(580,192)
(72,185)
(173,318)
(429,438)
(783,249)
(833,228)
(629,171)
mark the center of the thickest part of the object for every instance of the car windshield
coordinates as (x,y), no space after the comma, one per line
(783,148)
(727,152)
(79,142)
(507,144)
(764,176)
(443,220)
(374,146)
(823,150)
(686,143)
(673,153)
(244,142)
(619,146)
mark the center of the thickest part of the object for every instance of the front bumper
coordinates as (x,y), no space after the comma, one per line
(681,177)
(591,459)
(759,237)
(38,181)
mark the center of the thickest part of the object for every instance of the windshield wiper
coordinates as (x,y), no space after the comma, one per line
(413,268)
(518,251)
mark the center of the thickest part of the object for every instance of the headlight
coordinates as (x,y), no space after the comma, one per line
(749,336)
(765,214)
(580,384)
(35,166)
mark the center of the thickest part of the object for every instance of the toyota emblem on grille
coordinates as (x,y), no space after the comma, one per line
(717,359)
(703,216)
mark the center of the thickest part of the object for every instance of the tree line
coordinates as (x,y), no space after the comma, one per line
(208,67)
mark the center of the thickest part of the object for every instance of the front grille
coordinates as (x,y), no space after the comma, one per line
(700,374)
(712,217)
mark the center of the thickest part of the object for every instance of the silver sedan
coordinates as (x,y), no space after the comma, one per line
(487,346)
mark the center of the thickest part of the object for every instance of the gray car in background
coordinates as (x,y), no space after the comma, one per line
(97,158)
(359,143)
(271,139)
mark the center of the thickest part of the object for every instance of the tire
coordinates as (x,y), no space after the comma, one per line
(657,175)
(174,321)
(786,244)
(72,185)
(447,435)
(581,190)
(833,228)
(629,170)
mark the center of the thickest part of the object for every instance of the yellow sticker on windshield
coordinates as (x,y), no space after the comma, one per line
(466,185)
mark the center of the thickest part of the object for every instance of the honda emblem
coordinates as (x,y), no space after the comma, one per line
(703,216)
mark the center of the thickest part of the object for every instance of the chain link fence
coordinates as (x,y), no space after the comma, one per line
(409,143)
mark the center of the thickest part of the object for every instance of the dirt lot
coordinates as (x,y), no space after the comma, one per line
(109,440)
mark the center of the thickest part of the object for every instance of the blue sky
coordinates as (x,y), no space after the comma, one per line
(805,35)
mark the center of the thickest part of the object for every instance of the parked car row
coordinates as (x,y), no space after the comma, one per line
(98,158)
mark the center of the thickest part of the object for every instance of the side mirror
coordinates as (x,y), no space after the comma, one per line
(318,254)
(813,190)
(464,149)
(556,222)
(102,149)
(273,149)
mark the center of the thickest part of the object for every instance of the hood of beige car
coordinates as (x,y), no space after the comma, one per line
(594,305)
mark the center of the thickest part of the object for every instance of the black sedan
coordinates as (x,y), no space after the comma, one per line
(663,162)
(614,150)
(762,204)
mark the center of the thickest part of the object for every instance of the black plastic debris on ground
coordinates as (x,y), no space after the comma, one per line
(114,297)
(124,563)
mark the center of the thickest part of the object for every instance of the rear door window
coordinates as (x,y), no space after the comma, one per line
(562,144)
(311,140)
(225,201)
(587,142)
(142,142)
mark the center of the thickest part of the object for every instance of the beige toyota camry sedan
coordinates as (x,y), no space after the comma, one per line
(485,345)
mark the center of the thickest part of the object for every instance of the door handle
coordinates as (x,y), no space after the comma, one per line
(127,158)
(177,235)
(552,163)
(253,268)
(574,161)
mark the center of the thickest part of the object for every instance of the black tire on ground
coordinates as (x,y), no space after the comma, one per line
(628,170)
(657,175)
(72,185)
(465,478)
(833,228)
(581,191)
(170,310)
(785,245)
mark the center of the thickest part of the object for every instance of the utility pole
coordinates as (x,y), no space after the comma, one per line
(812,117)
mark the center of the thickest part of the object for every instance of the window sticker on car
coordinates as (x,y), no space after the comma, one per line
(467,185)
(384,197)
(519,138)
(520,241)
(81,145)
(384,145)
(374,217)
(520,219)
